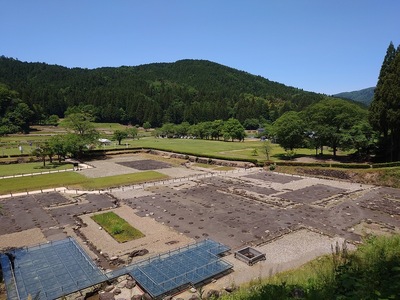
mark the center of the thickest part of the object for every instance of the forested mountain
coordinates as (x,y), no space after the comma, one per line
(187,90)
(364,96)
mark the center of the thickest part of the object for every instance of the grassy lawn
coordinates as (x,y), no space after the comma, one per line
(117,227)
(31,183)
(109,126)
(317,272)
(244,150)
(35,167)
(74,180)
(9,145)
(197,146)
(125,179)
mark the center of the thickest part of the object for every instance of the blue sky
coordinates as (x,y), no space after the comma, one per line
(326,46)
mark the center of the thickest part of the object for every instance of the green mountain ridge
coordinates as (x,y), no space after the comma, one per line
(364,96)
(186,90)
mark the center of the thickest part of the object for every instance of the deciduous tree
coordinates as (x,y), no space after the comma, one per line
(289,130)
(330,119)
(119,135)
(233,129)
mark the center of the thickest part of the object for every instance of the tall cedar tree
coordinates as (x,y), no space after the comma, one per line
(385,108)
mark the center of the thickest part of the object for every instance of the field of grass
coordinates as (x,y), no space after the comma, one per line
(200,147)
(244,150)
(10,145)
(37,182)
(74,180)
(118,180)
(34,167)
(117,227)
(317,272)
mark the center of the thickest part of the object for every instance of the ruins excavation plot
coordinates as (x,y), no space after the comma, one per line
(233,208)
(273,177)
(52,270)
(145,165)
(251,207)
(235,211)
(312,193)
(48,211)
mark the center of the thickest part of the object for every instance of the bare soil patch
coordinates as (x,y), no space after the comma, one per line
(235,208)
(49,212)
(273,177)
(329,173)
(312,193)
(235,211)
(145,165)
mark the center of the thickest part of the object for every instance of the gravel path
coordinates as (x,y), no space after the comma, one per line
(288,252)
(24,238)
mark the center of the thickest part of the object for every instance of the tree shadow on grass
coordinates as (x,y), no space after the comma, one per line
(284,156)
(48,166)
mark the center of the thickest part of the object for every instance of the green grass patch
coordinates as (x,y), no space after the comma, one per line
(117,227)
(109,126)
(37,182)
(242,150)
(74,180)
(228,150)
(35,167)
(207,147)
(125,179)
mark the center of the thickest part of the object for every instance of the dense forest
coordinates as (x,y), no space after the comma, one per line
(364,96)
(187,90)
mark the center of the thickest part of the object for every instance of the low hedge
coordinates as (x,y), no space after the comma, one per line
(254,161)
(386,165)
(351,166)
(323,165)
(19,155)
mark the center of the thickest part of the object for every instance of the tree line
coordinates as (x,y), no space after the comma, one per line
(229,130)
(204,100)
(185,91)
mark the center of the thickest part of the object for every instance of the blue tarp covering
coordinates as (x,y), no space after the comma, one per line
(59,268)
(50,270)
(185,266)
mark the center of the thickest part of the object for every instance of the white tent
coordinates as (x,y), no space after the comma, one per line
(105,141)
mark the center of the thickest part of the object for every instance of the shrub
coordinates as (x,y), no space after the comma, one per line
(386,165)
(371,272)
(117,229)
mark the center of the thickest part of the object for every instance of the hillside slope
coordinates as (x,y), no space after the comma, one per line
(364,96)
(186,90)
